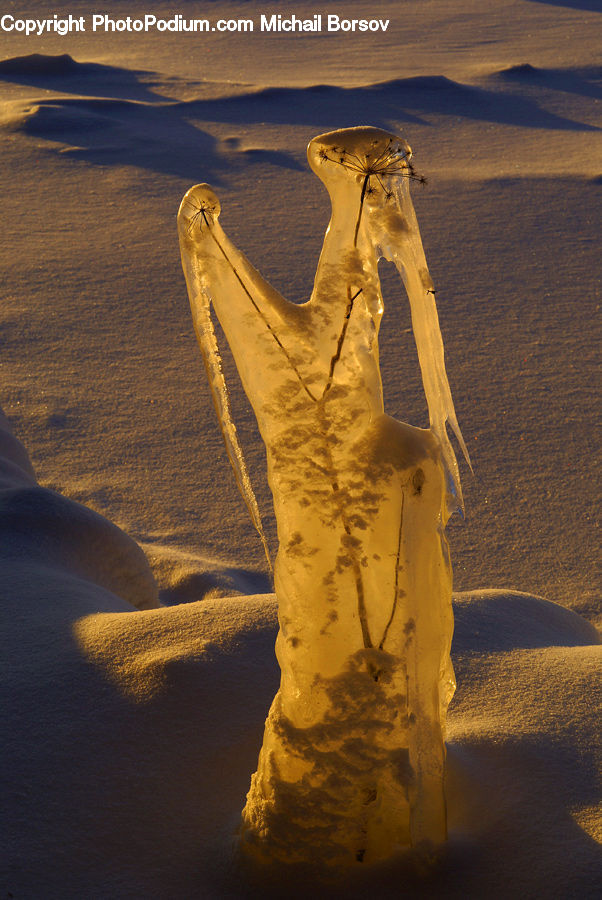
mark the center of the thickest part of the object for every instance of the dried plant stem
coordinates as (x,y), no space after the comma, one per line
(341,340)
(359,215)
(396,591)
(261,314)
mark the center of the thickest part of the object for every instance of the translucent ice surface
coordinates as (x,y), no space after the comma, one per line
(352,764)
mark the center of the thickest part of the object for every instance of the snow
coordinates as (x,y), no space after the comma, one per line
(128,738)
(127,751)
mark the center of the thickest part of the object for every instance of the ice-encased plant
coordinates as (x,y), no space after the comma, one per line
(352,763)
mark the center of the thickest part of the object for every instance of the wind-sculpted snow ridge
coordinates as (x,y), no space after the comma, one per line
(39,64)
(352,764)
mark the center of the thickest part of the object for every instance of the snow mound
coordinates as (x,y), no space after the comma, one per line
(48,541)
(128,740)
(131,742)
(185,577)
(496,621)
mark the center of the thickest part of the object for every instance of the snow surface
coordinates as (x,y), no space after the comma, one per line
(131,735)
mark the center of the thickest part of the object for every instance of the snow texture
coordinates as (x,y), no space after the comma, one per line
(128,736)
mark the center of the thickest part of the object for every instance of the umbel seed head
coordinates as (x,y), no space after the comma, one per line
(199,209)
(369,156)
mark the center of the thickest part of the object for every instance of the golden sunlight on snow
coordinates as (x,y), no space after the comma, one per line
(138,620)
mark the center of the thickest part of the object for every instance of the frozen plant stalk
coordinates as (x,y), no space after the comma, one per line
(352,763)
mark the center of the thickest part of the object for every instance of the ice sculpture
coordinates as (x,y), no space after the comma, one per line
(352,764)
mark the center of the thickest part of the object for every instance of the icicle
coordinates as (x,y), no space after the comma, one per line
(398,236)
(207,340)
